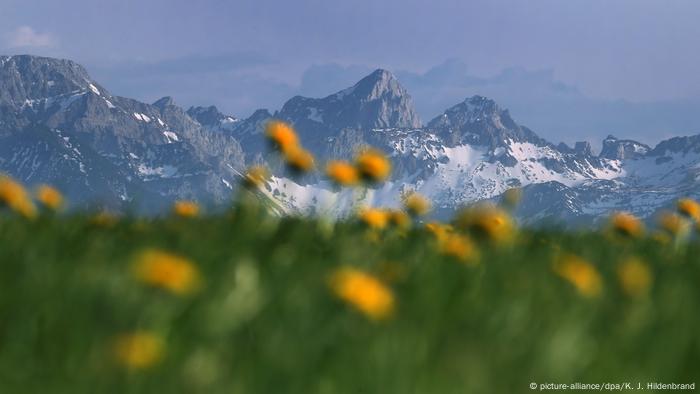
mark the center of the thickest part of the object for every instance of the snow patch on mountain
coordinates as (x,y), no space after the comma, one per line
(142,117)
(150,173)
(171,137)
(325,199)
(94,89)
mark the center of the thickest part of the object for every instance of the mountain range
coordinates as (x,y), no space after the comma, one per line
(59,126)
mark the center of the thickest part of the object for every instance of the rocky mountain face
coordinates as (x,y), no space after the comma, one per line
(378,101)
(59,126)
(622,149)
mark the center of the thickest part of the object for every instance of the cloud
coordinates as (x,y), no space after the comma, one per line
(236,82)
(195,64)
(26,37)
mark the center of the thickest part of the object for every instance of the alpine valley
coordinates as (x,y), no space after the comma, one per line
(59,126)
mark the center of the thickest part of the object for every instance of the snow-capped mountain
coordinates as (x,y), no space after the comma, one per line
(59,126)
(476,151)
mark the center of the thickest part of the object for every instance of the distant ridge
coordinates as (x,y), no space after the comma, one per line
(59,126)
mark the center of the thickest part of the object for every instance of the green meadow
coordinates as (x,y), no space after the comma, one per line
(257,309)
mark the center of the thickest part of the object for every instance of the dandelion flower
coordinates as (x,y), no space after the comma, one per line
(49,197)
(138,350)
(186,209)
(689,208)
(635,277)
(374,218)
(299,159)
(14,196)
(256,176)
(399,219)
(364,292)
(673,224)
(373,165)
(281,135)
(416,205)
(167,271)
(342,173)
(439,230)
(580,273)
(459,247)
(487,220)
(626,224)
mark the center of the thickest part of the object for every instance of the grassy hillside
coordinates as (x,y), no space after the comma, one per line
(249,303)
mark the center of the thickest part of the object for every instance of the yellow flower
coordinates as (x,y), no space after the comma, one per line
(138,350)
(487,220)
(512,197)
(374,218)
(672,223)
(299,159)
(186,209)
(50,197)
(373,165)
(256,176)
(460,247)
(689,208)
(635,277)
(439,230)
(165,270)
(15,197)
(416,204)
(626,224)
(580,273)
(281,135)
(342,173)
(364,292)
(399,219)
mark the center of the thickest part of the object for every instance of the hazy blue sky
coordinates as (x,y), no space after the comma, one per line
(245,54)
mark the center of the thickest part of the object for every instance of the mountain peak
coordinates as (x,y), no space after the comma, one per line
(583,148)
(377,101)
(381,74)
(473,109)
(380,83)
(209,116)
(260,114)
(24,61)
(27,77)
(482,104)
(617,149)
(677,145)
(479,120)
(164,102)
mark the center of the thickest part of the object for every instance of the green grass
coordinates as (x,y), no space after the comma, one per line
(265,321)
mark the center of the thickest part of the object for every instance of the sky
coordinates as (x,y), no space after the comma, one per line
(618,57)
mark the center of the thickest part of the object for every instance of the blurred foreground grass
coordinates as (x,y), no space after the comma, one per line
(257,313)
